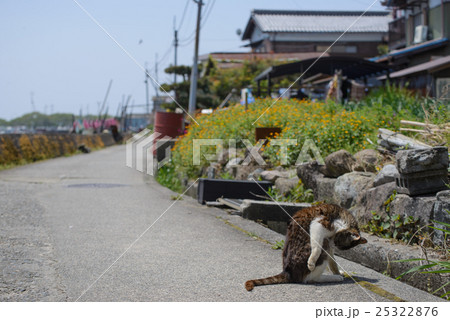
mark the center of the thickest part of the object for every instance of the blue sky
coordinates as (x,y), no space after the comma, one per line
(52,51)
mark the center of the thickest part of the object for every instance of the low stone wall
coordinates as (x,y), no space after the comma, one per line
(15,148)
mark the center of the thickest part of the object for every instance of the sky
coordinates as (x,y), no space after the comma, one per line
(55,58)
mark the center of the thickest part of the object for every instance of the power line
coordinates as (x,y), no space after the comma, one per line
(207,13)
(192,35)
(184,14)
(208,9)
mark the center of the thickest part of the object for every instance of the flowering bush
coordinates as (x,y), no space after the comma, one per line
(330,127)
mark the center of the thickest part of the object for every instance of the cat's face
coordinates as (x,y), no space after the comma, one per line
(347,239)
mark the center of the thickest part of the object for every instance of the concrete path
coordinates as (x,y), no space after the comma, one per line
(87,228)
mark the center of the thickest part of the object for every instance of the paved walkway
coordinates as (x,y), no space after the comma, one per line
(88,228)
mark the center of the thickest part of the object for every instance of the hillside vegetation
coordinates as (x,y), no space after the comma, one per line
(37,119)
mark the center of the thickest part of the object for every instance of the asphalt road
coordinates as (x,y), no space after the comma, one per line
(88,228)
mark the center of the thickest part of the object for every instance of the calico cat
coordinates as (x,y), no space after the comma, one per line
(311,236)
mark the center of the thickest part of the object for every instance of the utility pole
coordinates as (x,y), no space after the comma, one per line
(194,74)
(175,58)
(175,44)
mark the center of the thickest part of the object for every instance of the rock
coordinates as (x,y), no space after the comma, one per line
(255,174)
(366,160)
(285,185)
(273,175)
(223,156)
(386,175)
(339,163)
(412,161)
(441,213)
(350,185)
(372,199)
(308,173)
(417,207)
(242,172)
(324,189)
(396,141)
(233,162)
(211,172)
(422,171)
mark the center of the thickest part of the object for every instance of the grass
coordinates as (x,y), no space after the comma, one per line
(434,266)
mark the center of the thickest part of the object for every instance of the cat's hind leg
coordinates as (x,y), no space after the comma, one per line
(316,276)
(332,265)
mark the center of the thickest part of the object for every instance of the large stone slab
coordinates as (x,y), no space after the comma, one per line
(422,171)
(412,161)
(370,200)
(417,207)
(350,185)
(422,183)
(270,211)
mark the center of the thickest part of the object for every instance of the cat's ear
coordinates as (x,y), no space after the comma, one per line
(355,236)
(362,240)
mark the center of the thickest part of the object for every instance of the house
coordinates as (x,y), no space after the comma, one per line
(419,45)
(360,35)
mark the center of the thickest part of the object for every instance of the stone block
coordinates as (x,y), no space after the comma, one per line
(386,175)
(422,183)
(324,189)
(417,207)
(350,185)
(441,213)
(413,161)
(370,200)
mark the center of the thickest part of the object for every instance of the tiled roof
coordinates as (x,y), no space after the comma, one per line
(317,21)
(427,66)
(241,56)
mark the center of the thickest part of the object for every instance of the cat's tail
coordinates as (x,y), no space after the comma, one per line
(280,278)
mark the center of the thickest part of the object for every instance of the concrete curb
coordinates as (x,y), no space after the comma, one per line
(378,254)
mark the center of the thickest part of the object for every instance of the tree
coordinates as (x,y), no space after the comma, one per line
(214,83)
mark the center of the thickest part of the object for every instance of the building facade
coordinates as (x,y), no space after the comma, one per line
(419,45)
(360,35)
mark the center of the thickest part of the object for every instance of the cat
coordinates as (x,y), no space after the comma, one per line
(310,239)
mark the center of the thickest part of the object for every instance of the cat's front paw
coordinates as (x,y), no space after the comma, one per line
(311,265)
